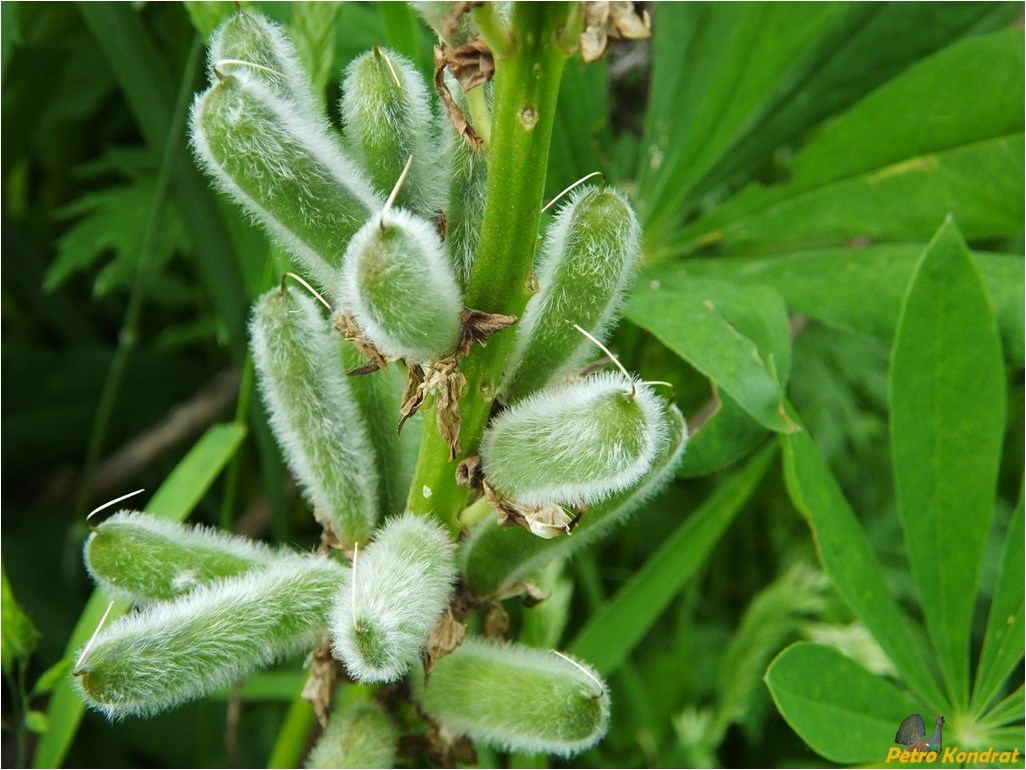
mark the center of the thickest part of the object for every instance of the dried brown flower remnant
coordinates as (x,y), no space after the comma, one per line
(605,23)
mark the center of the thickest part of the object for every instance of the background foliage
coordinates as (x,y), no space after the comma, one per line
(833,209)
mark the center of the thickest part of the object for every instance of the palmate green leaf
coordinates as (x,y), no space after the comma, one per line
(861,290)
(111,227)
(732,83)
(845,713)
(613,631)
(713,67)
(851,565)
(944,136)
(149,88)
(175,498)
(715,326)
(1003,642)
(947,428)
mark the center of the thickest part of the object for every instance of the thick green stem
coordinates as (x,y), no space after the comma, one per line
(526,88)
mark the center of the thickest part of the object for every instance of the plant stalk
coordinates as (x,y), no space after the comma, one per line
(527,81)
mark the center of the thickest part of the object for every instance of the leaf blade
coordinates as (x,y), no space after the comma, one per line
(848,559)
(705,323)
(612,632)
(947,394)
(1003,639)
(841,710)
(941,124)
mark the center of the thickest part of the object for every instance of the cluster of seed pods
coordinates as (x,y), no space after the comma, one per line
(362,223)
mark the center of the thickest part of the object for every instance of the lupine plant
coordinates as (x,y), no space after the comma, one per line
(518,420)
(458,515)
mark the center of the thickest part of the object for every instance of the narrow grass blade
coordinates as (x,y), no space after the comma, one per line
(174,500)
(613,632)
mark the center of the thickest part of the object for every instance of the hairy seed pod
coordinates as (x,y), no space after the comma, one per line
(467,189)
(376,396)
(387,117)
(492,557)
(139,558)
(588,261)
(516,698)
(314,414)
(392,599)
(173,652)
(357,735)
(399,286)
(574,445)
(248,39)
(280,163)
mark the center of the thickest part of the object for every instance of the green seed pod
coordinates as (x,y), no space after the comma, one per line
(468,181)
(280,163)
(392,599)
(173,652)
(588,261)
(139,558)
(357,735)
(251,45)
(396,452)
(399,286)
(516,698)
(574,445)
(314,414)
(387,117)
(493,557)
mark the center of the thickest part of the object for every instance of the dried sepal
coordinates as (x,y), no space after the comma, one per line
(545,520)
(323,679)
(606,23)
(446,636)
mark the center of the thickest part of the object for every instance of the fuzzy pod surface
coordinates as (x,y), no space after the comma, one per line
(588,260)
(392,599)
(252,45)
(140,558)
(357,735)
(387,117)
(280,163)
(516,698)
(467,189)
(314,414)
(173,652)
(398,283)
(574,445)
(492,557)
